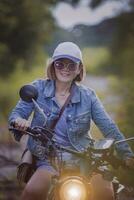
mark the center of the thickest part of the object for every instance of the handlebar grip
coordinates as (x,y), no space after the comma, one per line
(12,124)
(29,129)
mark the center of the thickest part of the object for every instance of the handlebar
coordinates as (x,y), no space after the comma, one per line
(32,132)
(89,152)
(28,131)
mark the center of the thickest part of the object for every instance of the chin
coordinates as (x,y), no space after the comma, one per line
(65,79)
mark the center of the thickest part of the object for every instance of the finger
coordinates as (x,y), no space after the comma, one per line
(18,122)
(25,125)
(21,124)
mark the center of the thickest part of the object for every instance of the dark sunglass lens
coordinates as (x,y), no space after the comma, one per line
(59,65)
(72,66)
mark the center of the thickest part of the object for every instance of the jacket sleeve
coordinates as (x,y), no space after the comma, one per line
(108,127)
(23,110)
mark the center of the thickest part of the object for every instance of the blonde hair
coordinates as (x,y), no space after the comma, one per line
(50,71)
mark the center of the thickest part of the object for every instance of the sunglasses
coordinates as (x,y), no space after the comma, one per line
(61,65)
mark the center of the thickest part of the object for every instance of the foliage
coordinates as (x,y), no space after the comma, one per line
(95,58)
(122,51)
(99,35)
(126,114)
(122,61)
(10,88)
(96,3)
(121,65)
(25,26)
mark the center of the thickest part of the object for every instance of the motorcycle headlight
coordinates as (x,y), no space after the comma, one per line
(73,189)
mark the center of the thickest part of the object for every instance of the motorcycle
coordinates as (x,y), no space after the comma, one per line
(70,184)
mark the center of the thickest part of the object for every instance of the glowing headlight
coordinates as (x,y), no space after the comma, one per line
(73,189)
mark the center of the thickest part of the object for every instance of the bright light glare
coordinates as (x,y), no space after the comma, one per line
(74,192)
(73,189)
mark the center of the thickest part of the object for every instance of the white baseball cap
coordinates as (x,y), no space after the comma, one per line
(67,50)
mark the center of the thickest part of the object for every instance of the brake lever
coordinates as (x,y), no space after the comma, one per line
(26,131)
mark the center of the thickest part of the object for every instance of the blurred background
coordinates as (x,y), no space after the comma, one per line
(29,32)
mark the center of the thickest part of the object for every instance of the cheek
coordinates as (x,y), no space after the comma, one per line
(56,73)
(76,73)
(71,76)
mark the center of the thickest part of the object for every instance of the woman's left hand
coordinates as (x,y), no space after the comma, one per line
(130,162)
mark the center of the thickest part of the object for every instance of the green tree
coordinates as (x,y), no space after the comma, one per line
(123,61)
(25,26)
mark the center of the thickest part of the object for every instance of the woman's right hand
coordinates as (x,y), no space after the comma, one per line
(21,124)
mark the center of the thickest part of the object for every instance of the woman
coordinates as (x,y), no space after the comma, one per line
(64,70)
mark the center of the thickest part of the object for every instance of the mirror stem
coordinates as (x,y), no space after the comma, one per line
(40,111)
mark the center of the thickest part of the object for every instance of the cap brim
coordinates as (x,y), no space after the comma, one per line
(74,59)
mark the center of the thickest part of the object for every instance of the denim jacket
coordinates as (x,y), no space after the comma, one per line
(83,107)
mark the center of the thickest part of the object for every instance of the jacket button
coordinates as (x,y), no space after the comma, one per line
(70,129)
(69,116)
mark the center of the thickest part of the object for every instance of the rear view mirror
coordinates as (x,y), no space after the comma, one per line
(28,93)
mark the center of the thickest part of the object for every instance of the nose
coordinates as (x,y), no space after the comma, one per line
(66,67)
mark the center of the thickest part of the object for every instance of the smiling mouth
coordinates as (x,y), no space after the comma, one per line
(65,74)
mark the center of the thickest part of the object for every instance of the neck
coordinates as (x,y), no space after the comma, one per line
(62,88)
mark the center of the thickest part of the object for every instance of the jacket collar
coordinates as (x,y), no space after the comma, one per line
(76,94)
(49,91)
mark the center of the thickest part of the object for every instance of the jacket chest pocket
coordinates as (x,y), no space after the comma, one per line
(81,122)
